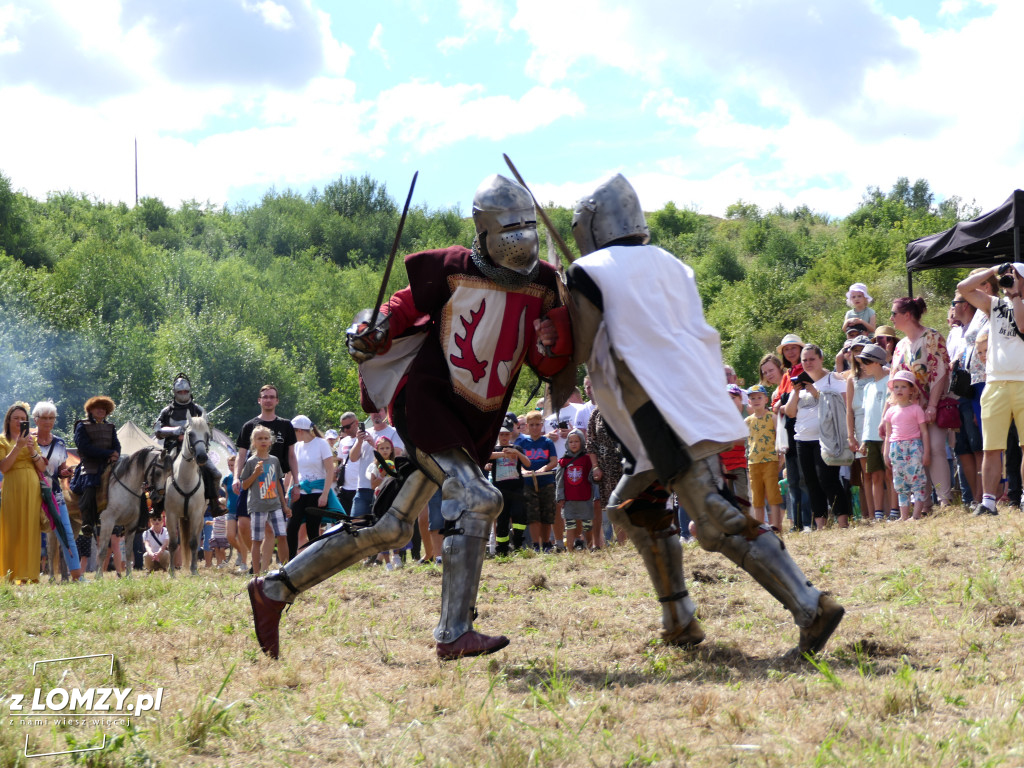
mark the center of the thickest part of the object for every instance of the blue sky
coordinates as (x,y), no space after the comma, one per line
(785,102)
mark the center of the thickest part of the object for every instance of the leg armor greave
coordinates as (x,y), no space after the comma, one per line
(767,560)
(698,490)
(470,506)
(655,535)
(721,527)
(331,554)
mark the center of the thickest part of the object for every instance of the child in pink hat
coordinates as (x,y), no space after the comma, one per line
(905,451)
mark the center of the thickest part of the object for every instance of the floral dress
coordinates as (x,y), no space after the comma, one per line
(922,358)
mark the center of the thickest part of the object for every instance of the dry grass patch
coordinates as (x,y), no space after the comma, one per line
(924,671)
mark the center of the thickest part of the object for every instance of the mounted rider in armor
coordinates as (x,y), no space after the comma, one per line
(170,427)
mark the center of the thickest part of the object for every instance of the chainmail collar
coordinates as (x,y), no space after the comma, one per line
(503,276)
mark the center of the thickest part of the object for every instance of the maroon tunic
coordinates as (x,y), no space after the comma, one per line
(477,337)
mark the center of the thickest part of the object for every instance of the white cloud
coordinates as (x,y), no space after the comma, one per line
(607,35)
(274,15)
(336,55)
(952,7)
(930,116)
(429,116)
(723,118)
(9,16)
(376,45)
(816,56)
(478,17)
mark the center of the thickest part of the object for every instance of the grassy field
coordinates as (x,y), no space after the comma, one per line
(924,671)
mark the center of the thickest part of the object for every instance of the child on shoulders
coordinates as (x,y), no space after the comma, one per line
(858,298)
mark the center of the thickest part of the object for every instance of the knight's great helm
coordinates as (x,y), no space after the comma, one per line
(506,224)
(182,389)
(609,213)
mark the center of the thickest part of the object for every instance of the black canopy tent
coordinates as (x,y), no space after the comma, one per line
(990,239)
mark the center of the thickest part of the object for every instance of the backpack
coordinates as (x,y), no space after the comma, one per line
(835,450)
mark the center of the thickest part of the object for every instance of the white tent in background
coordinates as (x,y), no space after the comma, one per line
(224,439)
(134,439)
(223,451)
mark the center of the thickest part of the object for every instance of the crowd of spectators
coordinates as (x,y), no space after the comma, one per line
(929,416)
(907,418)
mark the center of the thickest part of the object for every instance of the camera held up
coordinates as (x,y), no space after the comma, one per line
(1006,275)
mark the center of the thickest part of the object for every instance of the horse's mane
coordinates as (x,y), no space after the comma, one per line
(199,424)
(137,460)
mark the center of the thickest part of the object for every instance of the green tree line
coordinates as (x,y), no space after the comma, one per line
(105,298)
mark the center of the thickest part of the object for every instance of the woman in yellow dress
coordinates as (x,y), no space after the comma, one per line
(20,502)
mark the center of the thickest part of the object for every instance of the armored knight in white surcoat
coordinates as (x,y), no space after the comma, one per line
(657,375)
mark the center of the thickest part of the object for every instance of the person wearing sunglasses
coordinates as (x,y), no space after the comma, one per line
(1002,400)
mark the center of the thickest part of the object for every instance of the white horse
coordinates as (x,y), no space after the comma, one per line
(126,502)
(184,500)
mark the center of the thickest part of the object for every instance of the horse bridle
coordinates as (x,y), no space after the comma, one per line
(191,441)
(147,477)
(190,445)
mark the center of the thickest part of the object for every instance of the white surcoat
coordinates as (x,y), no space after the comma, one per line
(653,321)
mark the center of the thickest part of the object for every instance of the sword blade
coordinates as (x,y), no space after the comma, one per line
(541,212)
(210,413)
(391,256)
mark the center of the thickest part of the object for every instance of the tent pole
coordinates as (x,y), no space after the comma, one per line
(910,284)
(1016,244)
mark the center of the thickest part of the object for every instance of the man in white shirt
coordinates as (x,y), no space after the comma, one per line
(586,410)
(569,417)
(346,480)
(1003,399)
(380,428)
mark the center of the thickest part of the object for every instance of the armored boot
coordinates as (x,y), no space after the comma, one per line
(767,560)
(701,487)
(470,506)
(653,530)
(462,556)
(721,527)
(337,551)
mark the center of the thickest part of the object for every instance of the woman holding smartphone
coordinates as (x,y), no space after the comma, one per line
(21,501)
